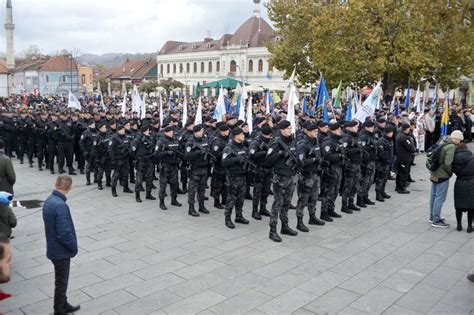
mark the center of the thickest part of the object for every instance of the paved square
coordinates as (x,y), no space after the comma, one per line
(137,259)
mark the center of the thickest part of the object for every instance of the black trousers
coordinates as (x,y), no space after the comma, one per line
(61,279)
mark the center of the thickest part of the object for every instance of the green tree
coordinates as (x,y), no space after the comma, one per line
(148,86)
(170,84)
(362,41)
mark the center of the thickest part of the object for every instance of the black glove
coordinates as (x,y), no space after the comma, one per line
(283,154)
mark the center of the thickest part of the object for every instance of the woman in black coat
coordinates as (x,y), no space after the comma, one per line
(463,167)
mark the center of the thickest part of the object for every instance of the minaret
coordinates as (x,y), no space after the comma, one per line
(9,27)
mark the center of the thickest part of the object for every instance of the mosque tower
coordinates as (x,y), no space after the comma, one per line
(9,27)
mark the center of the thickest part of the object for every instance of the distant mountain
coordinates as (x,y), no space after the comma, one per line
(112,59)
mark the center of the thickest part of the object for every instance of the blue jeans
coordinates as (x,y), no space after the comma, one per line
(438,196)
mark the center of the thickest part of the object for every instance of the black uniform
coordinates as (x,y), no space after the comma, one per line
(78,128)
(218,179)
(86,142)
(167,152)
(384,160)
(351,171)
(65,136)
(369,146)
(21,128)
(99,152)
(52,143)
(42,140)
(263,180)
(119,146)
(142,148)
(405,148)
(332,153)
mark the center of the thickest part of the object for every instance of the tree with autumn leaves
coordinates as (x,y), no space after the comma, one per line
(362,41)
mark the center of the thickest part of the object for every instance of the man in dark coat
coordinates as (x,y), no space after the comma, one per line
(61,241)
(7,173)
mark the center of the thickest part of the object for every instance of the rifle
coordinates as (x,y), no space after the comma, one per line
(178,153)
(292,157)
(248,165)
(207,152)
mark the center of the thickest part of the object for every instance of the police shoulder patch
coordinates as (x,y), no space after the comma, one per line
(327,148)
(301,156)
(216,148)
(110,142)
(344,144)
(95,142)
(188,149)
(252,151)
(134,148)
(269,151)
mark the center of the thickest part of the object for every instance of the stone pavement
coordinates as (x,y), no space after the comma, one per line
(137,259)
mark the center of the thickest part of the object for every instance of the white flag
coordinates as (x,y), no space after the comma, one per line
(243,97)
(136,100)
(102,104)
(293,100)
(249,115)
(161,111)
(291,81)
(369,105)
(220,106)
(143,108)
(198,118)
(73,101)
(124,103)
(418,104)
(185,110)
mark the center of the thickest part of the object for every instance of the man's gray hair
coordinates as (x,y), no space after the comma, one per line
(63,182)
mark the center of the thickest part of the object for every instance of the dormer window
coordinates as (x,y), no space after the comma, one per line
(180,47)
(193,46)
(208,45)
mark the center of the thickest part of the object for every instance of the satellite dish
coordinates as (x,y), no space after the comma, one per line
(256,1)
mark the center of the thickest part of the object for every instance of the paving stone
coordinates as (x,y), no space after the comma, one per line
(422,298)
(287,302)
(107,302)
(196,285)
(332,302)
(120,269)
(353,265)
(240,284)
(149,304)
(460,295)
(111,285)
(389,264)
(241,303)
(195,303)
(460,260)
(363,282)
(443,277)
(159,269)
(403,280)
(323,283)
(377,300)
(153,285)
(198,269)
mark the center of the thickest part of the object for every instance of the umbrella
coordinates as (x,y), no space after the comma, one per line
(226,83)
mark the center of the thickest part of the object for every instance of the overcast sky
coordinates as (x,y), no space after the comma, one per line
(103,26)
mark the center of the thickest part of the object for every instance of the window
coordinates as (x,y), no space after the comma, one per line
(270,67)
(195,67)
(209,67)
(233,66)
(260,65)
(64,78)
(83,79)
(168,68)
(187,68)
(250,66)
(161,69)
(180,68)
(202,67)
(174,68)
(46,78)
(218,66)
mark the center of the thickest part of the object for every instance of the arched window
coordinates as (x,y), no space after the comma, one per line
(202,67)
(250,66)
(168,68)
(209,67)
(218,66)
(260,65)
(270,67)
(233,66)
(174,68)
(180,68)
(195,67)
(161,69)
(187,68)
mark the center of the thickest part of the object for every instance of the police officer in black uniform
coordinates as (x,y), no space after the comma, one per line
(218,180)
(167,152)
(99,152)
(235,161)
(405,149)
(184,136)
(78,126)
(86,142)
(52,140)
(263,180)
(369,147)
(65,143)
(22,132)
(198,154)
(42,139)
(32,140)
(332,153)
(309,154)
(282,157)
(119,146)
(384,161)
(142,148)
(351,171)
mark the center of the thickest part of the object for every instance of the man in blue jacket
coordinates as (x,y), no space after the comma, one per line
(61,241)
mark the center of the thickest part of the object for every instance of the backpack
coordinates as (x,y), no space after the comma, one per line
(433,155)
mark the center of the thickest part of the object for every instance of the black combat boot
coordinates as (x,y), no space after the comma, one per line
(185,188)
(228,222)
(162,204)
(313,220)
(256,215)
(334,214)
(61,171)
(175,202)
(300,226)
(248,195)
(239,218)
(31,164)
(126,189)
(180,191)
(352,206)
(192,212)
(81,171)
(99,185)
(217,204)
(202,208)
(344,207)
(378,197)
(360,202)
(107,182)
(325,216)
(114,192)
(385,195)
(285,229)
(264,212)
(367,201)
(72,171)
(274,235)
(52,171)
(137,197)
(149,196)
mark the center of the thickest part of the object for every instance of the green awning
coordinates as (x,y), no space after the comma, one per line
(227,83)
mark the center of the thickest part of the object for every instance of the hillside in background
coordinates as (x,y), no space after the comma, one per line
(112,59)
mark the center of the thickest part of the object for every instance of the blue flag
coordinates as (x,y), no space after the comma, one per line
(325,110)
(237,106)
(407,97)
(305,106)
(170,100)
(349,110)
(323,94)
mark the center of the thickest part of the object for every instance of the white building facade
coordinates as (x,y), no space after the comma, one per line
(242,56)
